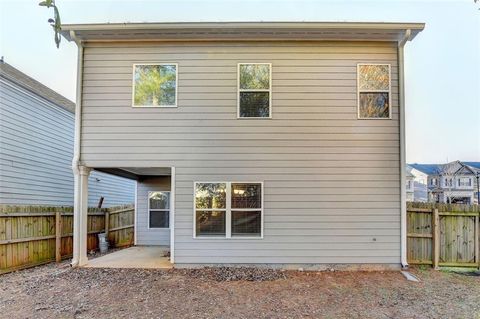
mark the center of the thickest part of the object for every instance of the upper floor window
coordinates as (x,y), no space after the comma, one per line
(464,181)
(373,91)
(155,85)
(254,90)
(433,181)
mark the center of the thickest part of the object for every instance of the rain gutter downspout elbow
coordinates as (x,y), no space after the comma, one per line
(403,163)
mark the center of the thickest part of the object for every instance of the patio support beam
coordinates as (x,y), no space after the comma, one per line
(80,211)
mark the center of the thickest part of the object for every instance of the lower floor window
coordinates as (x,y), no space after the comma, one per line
(159,209)
(228,209)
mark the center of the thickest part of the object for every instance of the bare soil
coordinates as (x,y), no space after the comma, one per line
(58,291)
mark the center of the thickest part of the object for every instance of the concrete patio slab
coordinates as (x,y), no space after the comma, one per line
(134,257)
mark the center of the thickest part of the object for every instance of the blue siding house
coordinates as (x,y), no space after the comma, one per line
(36,148)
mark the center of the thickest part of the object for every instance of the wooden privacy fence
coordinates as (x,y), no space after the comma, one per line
(443,235)
(33,235)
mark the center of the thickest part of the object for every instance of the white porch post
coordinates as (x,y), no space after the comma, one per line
(80,211)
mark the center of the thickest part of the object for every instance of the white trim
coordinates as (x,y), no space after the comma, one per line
(228,211)
(269,90)
(155,106)
(135,219)
(389,91)
(158,210)
(172,214)
(403,160)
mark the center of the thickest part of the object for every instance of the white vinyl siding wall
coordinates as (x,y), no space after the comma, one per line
(331,181)
(36,150)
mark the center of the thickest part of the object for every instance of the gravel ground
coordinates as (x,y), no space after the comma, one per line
(58,291)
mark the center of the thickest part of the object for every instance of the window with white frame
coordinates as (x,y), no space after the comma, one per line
(158,209)
(155,85)
(228,210)
(373,91)
(464,181)
(254,90)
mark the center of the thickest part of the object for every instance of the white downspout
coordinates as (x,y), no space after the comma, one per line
(403,161)
(76,151)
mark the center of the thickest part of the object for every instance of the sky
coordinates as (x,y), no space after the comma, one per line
(442,64)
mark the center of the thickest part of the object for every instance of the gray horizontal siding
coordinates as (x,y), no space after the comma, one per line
(36,150)
(146,235)
(331,181)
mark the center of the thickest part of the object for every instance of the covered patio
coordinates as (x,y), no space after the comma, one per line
(153,220)
(151,257)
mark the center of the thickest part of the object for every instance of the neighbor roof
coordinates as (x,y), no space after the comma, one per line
(429,169)
(14,75)
(473,164)
(446,169)
(192,31)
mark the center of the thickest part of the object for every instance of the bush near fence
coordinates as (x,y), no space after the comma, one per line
(443,234)
(34,235)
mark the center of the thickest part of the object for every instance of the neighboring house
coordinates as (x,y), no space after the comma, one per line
(453,182)
(36,148)
(475,166)
(410,186)
(420,188)
(251,143)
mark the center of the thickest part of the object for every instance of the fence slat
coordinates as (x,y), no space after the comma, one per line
(443,234)
(34,235)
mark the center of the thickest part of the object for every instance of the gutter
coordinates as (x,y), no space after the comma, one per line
(403,162)
(76,149)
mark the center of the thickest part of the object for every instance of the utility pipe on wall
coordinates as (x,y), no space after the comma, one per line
(76,154)
(403,161)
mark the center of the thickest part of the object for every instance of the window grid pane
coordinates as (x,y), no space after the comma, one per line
(159,200)
(210,195)
(374,77)
(159,219)
(374,105)
(254,104)
(210,223)
(246,223)
(246,195)
(254,76)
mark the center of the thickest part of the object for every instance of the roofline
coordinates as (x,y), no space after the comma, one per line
(241,26)
(37,92)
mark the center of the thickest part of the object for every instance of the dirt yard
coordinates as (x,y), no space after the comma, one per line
(57,291)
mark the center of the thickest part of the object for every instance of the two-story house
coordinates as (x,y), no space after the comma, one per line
(453,182)
(475,167)
(280,144)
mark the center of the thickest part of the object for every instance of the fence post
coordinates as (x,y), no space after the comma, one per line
(58,236)
(107,224)
(435,238)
